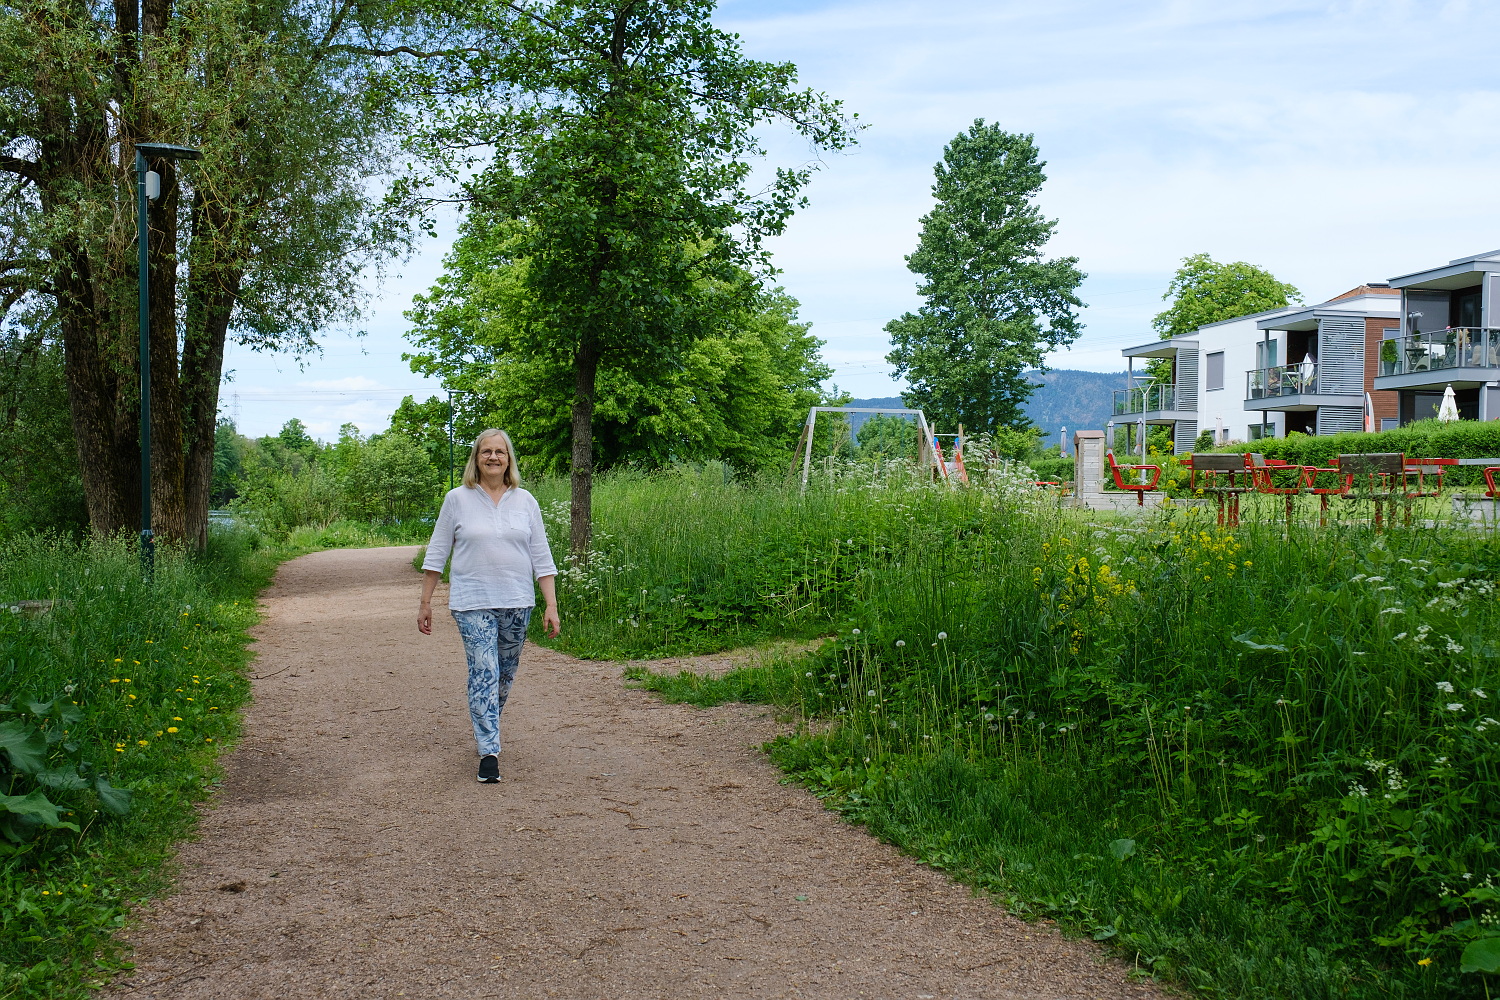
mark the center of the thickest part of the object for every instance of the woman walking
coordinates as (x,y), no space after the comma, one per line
(494,531)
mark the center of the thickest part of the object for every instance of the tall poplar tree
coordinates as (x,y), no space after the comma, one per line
(994,307)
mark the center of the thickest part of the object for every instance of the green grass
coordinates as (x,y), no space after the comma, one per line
(1230,755)
(123,663)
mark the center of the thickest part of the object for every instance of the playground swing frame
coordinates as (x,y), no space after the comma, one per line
(925,438)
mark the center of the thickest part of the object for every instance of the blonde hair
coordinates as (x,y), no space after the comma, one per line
(512,468)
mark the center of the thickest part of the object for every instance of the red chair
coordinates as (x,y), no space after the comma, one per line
(1264,473)
(1489,478)
(1139,489)
(1340,487)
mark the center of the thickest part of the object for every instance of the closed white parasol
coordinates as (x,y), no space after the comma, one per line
(1449,409)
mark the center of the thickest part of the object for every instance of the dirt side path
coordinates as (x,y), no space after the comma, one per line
(634,849)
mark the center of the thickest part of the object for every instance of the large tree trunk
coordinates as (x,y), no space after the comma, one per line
(213,290)
(586,370)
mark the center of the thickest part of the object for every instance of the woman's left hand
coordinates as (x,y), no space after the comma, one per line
(551,624)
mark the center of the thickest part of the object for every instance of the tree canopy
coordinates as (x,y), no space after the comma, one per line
(738,393)
(994,306)
(621,190)
(1204,291)
(264,239)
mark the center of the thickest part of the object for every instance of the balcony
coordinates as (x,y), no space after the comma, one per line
(1286,380)
(1145,399)
(1441,350)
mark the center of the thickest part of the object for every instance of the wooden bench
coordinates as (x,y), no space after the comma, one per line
(1382,476)
(1226,494)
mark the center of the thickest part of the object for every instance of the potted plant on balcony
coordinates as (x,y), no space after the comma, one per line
(1388,357)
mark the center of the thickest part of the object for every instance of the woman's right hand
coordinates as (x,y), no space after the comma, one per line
(424,619)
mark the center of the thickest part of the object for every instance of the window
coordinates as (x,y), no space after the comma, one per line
(1389,423)
(1216,370)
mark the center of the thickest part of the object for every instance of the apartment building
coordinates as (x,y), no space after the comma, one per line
(1300,368)
(1449,334)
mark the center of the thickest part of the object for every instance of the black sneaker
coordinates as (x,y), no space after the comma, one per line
(489,769)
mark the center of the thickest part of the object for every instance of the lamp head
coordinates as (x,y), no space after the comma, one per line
(168,151)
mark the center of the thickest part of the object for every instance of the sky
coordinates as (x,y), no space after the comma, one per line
(1331,143)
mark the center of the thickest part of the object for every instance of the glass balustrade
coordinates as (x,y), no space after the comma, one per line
(1284,380)
(1144,399)
(1436,350)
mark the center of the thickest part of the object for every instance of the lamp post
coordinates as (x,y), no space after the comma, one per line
(148,188)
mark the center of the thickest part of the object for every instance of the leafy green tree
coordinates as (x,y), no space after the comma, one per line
(390,479)
(1205,291)
(739,396)
(621,185)
(39,485)
(887,436)
(263,240)
(994,307)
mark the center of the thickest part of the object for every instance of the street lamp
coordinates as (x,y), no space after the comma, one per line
(148,188)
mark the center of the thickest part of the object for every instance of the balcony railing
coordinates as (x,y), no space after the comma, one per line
(1286,380)
(1144,399)
(1460,347)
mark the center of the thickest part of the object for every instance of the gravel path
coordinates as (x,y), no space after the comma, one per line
(633,849)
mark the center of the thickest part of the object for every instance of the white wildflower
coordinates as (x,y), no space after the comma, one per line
(1478,692)
(1445,686)
(1455,706)
(1398,638)
(1393,611)
(1373,579)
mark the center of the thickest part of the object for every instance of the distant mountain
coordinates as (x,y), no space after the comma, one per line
(1072,399)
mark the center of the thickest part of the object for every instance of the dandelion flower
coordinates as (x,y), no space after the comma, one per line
(143,743)
(942,636)
(900,643)
(870,694)
(171,729)
(1424,961)
(854,631)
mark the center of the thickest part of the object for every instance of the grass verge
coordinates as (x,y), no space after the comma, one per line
(126,689)
(1262,763)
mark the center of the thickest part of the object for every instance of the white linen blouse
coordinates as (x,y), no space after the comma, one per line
(498,549)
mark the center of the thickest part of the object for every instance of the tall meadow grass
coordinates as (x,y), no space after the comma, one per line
(1259,762)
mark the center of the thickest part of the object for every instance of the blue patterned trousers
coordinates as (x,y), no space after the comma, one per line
(492,644)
